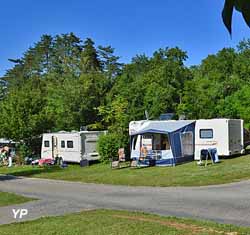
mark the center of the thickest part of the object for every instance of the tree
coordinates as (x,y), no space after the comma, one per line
(89,58)
(109,62)
(21,115)
(217,84)
(237,105)
(3,89)
(72,81)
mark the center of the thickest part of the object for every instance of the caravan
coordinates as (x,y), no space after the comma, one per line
(71,146)
(226,135)
(172,142)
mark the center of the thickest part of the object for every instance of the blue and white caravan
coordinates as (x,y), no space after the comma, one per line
(166,143)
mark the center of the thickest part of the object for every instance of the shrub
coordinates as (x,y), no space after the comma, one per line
(109,144)
(22,151)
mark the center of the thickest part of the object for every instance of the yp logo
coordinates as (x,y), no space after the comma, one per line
(19,213)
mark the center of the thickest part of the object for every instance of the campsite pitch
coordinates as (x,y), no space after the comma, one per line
(12,199)
(118,222)
(189,174)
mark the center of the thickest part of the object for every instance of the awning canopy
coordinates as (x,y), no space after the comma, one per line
(162,127)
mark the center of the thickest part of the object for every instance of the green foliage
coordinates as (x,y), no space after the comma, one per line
(108,146)
(237,105)
(23,151)
(21,113)
(219,87)
(153,84)
(58,84)
(62,84)
(115,115)
(89,57)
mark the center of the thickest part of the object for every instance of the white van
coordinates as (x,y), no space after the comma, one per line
(226,135)
(71,146)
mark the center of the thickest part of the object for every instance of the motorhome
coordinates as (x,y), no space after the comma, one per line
(71,146)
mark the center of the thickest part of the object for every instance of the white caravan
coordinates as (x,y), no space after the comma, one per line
(71,146)
(226,135)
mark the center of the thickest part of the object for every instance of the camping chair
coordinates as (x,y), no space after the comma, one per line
(120,161)
(137,162)
(205,154)
(212,153)
(147,158)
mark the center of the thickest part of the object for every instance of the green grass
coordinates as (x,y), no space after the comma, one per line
(11,199)
(189,174)
(100,222)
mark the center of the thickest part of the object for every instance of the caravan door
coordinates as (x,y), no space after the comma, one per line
(187,141)
(46,150)
(54,145)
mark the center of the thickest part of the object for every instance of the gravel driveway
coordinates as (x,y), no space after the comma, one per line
(223,203)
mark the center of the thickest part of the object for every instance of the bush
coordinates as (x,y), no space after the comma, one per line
(22,151)
(108,145)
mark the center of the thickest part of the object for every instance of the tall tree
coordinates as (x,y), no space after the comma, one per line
(89,58)
(109,62)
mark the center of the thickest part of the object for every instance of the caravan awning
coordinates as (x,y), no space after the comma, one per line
(162,127)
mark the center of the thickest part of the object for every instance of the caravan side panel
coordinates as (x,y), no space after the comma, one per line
(69,147)
(212,134)
(226,135)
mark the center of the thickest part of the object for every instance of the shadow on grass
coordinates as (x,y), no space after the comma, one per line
(232,156)
(7,177)
(30,172)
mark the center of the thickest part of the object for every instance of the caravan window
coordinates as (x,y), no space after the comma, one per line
(154,142)
(187,143)
(46,143)
(70,144)
(147,140)
(206,133)
(62,144)
(165,145)
(161,142)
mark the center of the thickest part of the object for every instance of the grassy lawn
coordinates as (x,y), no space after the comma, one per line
(11,199)
(229,170)
(99,222)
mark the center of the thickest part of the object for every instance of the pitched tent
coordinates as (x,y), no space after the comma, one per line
(169,142)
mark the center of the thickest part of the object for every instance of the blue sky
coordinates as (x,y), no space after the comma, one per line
(131,27)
